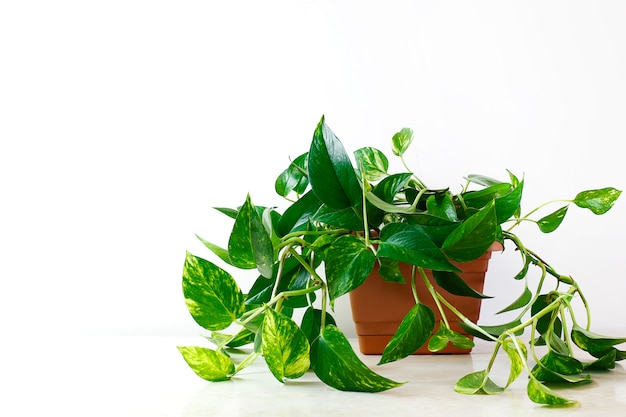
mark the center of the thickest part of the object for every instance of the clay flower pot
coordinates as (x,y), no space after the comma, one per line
(379,306)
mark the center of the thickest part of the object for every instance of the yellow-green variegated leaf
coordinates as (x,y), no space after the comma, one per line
(540,394)
(517,357)
(208,364)
(285,346)
(336,364)
(211,294)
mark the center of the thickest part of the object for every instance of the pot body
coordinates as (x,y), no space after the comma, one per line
(379,306)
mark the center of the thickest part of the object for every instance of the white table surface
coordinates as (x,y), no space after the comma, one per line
(146,376)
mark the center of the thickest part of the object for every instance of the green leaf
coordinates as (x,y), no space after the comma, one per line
(444,335)
(390,270)
(495,331)
(401,140)
(219,251)
(604,362)
(414,331)
(598,201)
(477,383)
(331,173)
(540,394)
(294,178)
(348,264)
(372,162)
(335,363)
(517,358)
(207,363)
(521,301)
(211,294)
(554,367)
(474,236)
(454,284)
(592,342)
(441,206)
(285,347)
(250,245)
(232,213)
(509,204)
(408,243)
(297,216)
(551,222)
(345,219)
(312,323)
(480,198)
(389,187)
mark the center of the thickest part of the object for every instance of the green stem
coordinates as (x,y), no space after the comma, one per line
(247,361)
(435,295)
(526,217)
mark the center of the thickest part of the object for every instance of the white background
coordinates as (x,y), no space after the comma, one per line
(122,123)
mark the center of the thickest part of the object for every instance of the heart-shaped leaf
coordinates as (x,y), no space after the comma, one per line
(284,345)
(372,162)
(541,394)
(598,201)
(348,264)
(474,236)
(414,331)
(551,222)
(517,353)
(250,245)
(294,178)
(207,363)
(477,383)
(336,364)
(211,294)
(401,140)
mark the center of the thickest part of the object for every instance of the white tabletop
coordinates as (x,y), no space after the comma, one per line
(146,376)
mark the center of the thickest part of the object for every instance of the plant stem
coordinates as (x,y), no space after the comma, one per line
(433,292)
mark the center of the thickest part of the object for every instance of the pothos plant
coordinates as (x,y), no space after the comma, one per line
(339,222)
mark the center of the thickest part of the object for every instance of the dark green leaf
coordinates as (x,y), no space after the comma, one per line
(598,201)
(495,331)
(401,140)
(509,204)
(297,216)
(232,213)
(211,294)
(408,243)
(522,301)
(293,178)
(390,270)
(414,331)
(389,187)
(336,364)
(554,367)
(473,237)
(312,323)
(207,363)
(551,222)
(372,162)
(346,218)
(285,347)
(480,198)
(441,206)
(331,173)
(348,263)
(604,362)
(249,245)
(454,284)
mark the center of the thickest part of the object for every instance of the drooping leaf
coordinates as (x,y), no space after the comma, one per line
(598,201)
(211,294)
(554,367)
(207,363)
(249,245)
(331,173)
(390,270)
(336,364)
(474,236)
(401,140)
(604,362)
(509,204)
(348,263)
(477,383)
(540,394)
(520,302)
(551,222)
(372,162)
(495,331)
(346,218)
(454,284)
(284,345)
(294,178)
(592,342)
(444,335)
(407,243)
(312,323)
(414,331)
(518,354)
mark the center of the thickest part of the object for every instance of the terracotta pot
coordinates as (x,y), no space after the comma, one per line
(378,306)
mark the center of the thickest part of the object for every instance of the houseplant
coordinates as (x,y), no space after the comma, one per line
(343,220)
